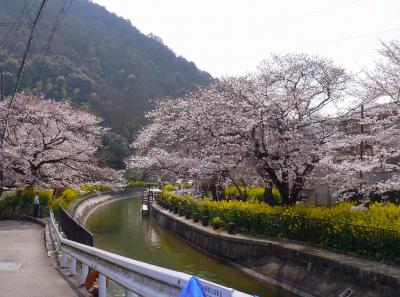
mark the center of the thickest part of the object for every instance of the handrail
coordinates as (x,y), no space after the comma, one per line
(138,277)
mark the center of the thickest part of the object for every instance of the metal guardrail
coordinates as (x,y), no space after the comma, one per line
(137,277)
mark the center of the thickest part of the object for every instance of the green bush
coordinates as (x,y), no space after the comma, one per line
(9,204)
(216,222)
(20,201)
(65,199)
(253,193)
(90,188)
(56,205)
(141,184)
(185,186)
(69,195)
(168,187)
(45,197)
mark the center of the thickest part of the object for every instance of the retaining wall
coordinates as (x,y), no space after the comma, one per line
(304,269)
(81,210)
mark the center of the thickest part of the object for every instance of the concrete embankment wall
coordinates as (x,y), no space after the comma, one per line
(304,269)
(81,210)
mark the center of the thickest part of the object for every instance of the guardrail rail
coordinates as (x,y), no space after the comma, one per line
(137,277)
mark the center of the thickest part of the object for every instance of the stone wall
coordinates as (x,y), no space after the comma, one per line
(304,269)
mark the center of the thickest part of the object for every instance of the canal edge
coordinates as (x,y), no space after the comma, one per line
(324,273)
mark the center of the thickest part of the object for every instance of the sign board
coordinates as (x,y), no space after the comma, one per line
(214,290)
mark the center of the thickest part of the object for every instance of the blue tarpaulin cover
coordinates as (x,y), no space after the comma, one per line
(193,289)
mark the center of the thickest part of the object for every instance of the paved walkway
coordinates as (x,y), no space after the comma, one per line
(25,268)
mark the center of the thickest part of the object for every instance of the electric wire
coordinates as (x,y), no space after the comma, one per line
(28,45)
(64,7)
(345,39)
(4,24)
(20,22)
(19,75)
(333,7)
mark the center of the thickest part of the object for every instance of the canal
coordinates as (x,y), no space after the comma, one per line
(118,227)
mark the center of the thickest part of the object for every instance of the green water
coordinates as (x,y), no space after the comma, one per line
(119,227)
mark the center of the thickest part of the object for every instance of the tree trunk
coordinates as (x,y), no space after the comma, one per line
(243,196)
(283,189)
(268,197)
(297,187)
(294,196)
(213,189)
(1,182)
(220,192)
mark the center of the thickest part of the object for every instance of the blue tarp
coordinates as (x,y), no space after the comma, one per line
(193,289)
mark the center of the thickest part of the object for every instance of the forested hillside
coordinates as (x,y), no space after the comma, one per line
(97,60)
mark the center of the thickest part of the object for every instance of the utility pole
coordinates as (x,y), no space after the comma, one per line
(2,84)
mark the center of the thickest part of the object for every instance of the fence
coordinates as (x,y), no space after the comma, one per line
(137,277)
(364,240)
(375,243)
(73,230)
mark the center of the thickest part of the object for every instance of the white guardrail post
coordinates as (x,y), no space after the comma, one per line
(137,277)
(102,285)
(64,261)
(72,269)
(84,273)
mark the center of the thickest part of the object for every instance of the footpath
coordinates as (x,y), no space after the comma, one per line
(25,268)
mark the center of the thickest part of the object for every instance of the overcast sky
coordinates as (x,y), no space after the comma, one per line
(228,37)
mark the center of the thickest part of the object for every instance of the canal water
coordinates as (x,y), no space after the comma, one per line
(119,227)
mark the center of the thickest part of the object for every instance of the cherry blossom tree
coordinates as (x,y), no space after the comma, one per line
(287,102)
(272,121)
(365,156)
(49,143)
(384,80)
(184,139)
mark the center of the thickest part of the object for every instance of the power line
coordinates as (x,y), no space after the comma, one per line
(29,13)
(21,68)
(333,7)
(5,24)
(295,18)
(25,13)
(344,39)
(28,45)
(13,25)
(328,42)
(64,7)
(2,83)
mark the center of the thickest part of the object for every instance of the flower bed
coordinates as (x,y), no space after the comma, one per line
(374,233)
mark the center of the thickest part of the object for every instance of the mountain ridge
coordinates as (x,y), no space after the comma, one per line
(97,60)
